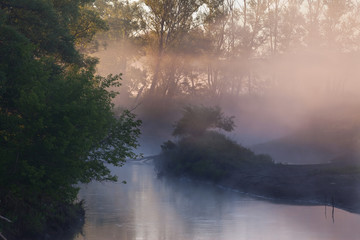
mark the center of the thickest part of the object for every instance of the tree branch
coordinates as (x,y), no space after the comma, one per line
(6,219)
(2,236)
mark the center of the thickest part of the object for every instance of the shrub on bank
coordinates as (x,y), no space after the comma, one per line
(208,155)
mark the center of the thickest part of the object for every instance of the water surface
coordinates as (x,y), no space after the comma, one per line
(152,209)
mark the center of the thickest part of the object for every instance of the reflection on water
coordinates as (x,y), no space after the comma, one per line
(151,209)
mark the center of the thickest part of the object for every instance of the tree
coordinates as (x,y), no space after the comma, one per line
(57,126)
(203,154)
(126,27)
(121,47)
(196,120)
(291,31)
(84,28)
(169,21)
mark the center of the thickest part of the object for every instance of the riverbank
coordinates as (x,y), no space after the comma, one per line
(332,184)
(327,184)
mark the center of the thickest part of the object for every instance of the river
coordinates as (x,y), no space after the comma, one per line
(150,208)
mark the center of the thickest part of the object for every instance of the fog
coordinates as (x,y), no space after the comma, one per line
(288,71)
(311,97)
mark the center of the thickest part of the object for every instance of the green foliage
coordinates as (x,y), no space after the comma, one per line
(38,21)
(57,126)
(87,24)
(197,119)
(209,155)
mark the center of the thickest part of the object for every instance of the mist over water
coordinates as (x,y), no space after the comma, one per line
(151,208)
(288,71)
(308,96)
(247,113)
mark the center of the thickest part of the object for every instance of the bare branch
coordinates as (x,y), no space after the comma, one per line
(2,236)
(135,107)
(6,219)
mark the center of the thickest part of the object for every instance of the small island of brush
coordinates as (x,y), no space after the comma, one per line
(201,153)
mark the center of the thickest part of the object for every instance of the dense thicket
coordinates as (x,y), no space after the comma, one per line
(57,126)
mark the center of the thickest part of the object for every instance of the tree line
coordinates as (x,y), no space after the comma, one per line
(221,47)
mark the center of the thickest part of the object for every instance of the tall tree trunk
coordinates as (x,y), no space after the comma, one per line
(158,59)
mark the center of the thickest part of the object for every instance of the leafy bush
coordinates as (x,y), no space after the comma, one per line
(210,155)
